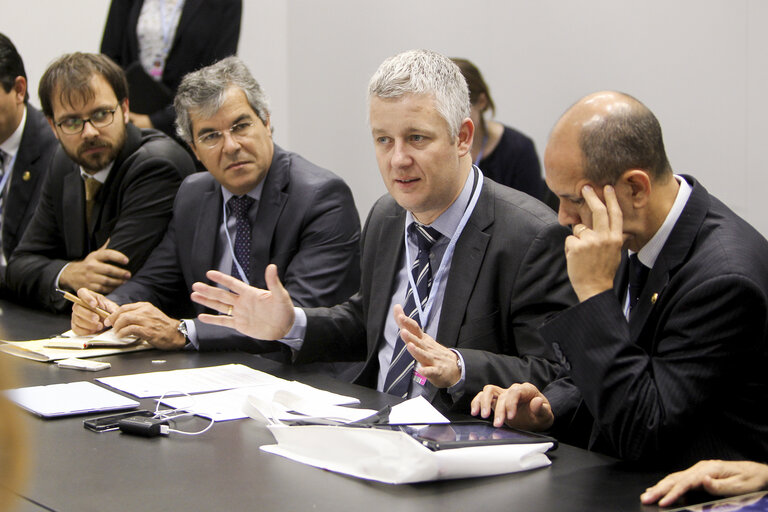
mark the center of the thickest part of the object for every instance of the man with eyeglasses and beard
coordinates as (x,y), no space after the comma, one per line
(110,189)
(257,205)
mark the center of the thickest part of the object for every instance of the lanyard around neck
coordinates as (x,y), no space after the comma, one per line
(447,256)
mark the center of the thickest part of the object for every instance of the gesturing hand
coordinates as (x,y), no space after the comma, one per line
(263,314)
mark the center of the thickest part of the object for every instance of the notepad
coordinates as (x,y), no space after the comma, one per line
(68,399)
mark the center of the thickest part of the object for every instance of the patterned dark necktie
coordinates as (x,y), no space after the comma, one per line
(239,206)
(401,367)
(638,274)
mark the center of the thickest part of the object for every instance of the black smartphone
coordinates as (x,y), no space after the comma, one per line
(107,423)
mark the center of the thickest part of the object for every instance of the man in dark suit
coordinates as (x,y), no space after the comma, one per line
(493,273)
(109,192)
(26,147)
(300,217)
(666,350)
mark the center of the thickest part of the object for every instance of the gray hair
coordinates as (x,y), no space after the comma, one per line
(203,91)
(424,72)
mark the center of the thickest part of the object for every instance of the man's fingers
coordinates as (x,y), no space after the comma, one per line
(110,255)
(272,279)
(615,218)
(223,320)
(600,221)
(485,400)
(230,282)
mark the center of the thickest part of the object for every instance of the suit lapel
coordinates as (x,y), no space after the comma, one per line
(467,260)
(389,244)
(206,234)
(24,177)
(188,12)
(73,213)
(671,256)
(273,199)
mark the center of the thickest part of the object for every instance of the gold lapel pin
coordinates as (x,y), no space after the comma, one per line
(654,298)
(26,176)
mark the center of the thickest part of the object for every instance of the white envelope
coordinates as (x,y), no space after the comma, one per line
(395,457)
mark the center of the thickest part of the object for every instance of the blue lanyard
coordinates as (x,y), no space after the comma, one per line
(482,150)
(424,314)
(230,245)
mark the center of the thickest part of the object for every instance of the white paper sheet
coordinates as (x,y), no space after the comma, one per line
(229,405)
(395,457)
(192,380)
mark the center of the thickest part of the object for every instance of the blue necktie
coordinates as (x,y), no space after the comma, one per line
(239,206)
(401,367)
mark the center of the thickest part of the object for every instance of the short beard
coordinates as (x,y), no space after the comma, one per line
(95,163)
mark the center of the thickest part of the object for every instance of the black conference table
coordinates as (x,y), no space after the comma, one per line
(73,469)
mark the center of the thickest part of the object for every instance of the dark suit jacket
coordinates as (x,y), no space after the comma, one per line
(208,31)
(507,275)
(38,144)
(306,224)
(132,210)
(685,378)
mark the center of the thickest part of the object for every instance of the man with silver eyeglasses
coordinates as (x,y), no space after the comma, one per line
(109,193)
(257,204)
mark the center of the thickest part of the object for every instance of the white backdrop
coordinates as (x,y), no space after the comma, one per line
(700,65)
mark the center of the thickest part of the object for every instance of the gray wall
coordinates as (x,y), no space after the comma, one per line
(698,64)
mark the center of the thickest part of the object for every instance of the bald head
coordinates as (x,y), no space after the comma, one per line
(610,133)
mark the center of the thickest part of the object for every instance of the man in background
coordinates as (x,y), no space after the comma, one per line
(27,145)
(110,189)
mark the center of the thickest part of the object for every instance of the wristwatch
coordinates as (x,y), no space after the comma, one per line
(182,328)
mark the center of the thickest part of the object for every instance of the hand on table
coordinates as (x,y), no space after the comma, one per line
(717,477)
(520,406)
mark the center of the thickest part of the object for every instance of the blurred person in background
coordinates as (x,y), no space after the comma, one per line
(503,154)
(160,41)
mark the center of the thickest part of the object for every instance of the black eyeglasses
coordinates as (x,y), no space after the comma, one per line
(99,119)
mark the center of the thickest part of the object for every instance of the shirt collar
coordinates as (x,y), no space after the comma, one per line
(255,192)
(100,176)
(449,220)
(12,143)
(650,251)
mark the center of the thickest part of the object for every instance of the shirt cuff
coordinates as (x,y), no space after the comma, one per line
(457,390)
(56,282)
(295,337)
(192,343)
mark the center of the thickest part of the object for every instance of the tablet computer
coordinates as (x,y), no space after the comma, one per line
(461,434)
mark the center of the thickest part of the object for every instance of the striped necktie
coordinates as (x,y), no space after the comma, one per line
(402,364)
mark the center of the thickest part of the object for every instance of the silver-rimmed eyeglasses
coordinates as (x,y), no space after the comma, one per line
(239,131)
